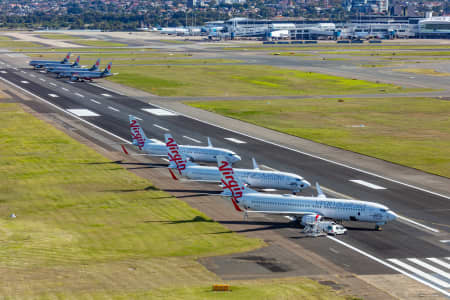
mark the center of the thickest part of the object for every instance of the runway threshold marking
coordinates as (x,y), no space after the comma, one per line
(368,184)
(159,112)
(419,273)
(391,266)
(192,139)
(160,127)
(82,112)
(439,262)
(234,140)
(430,267)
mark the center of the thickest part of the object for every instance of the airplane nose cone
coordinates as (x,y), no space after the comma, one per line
(392,216)
(305,184)
(236,158)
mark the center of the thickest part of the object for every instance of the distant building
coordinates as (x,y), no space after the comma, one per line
(435,27)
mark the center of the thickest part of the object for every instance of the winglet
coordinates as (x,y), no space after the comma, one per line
(320,194)
(125,150)
(209,142)
(255,164)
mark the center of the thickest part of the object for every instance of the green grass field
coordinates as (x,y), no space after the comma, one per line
(414,132)
(5,38)
(18,44)
(241,81)
(95,43)
(88,228)
(85,50)
(58,36)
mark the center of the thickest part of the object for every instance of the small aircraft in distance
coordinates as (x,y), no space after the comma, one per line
(86,74)
(255,177)
(60,69)
(193,153)
(300,208)
(39,64)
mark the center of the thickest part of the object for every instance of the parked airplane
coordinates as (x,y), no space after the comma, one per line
(38,64)
(301,208)
(86,74)
(59,69)
(193,153)
(75,64)
(253,177)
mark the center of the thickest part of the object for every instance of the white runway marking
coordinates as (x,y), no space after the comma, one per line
(65,89)
(82,112)
(138,118)
(53,95)
(106,95)
(16,69)
(368,184)
(54,84)
(235,141)
(32,75)
(430,267)
(419,273)
(112,108)
(42,79)
(156,141)
(160,127)
(24,81)
(192,139)
(79,95)
(159,112)
(439,262)
(418,224)
(2,63)
(95,101)
(23,72)
(3,72)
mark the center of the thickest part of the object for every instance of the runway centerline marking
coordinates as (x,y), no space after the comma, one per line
(192,139)
(368,184)
(160,127)
(24,81)
(418,224)
(32,75)
(106,95)
(82,112)
(3,72)
(65,89)
(138,118)
(95,101)
(53,95)
(235,141)
(79,95)
(54,84)
(158,112)
(42,79)
(113,108)
(419,273)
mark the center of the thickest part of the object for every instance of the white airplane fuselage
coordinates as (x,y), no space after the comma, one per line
(337,209)
(193,153)
(254,178)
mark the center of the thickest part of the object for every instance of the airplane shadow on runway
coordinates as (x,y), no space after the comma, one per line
(126,164)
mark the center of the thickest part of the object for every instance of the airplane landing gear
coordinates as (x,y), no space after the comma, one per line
(378,228)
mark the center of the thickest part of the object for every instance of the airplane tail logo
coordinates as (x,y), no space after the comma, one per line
(66,59)
(108,68)
(137,133)
(95,66)
(173,151)
(77,61)
(229,181)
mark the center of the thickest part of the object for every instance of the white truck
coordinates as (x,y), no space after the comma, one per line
(332,228)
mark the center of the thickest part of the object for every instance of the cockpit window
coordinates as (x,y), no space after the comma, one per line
(383,210)
(296,179)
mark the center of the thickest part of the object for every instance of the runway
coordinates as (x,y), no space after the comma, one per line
(416,245)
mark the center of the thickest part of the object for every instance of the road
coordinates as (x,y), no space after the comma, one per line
(416,245)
